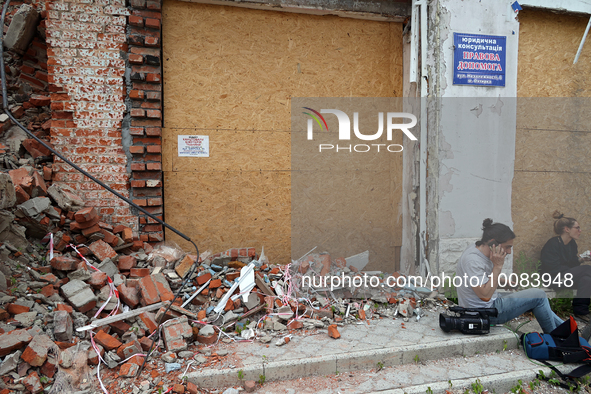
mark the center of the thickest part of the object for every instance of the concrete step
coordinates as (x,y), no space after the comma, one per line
(496,372)
(384,342)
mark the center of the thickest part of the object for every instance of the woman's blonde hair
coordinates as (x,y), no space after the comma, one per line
(562,222)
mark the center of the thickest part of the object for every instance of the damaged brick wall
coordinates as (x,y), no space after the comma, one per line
(86,70)
(103,73)
(145,87)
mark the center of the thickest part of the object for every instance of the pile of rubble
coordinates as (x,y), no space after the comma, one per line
(91,294)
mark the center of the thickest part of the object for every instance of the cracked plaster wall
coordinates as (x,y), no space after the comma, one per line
(471,133)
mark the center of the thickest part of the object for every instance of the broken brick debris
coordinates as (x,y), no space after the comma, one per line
(52,297)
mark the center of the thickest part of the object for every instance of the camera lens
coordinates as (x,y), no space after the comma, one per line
(447,323)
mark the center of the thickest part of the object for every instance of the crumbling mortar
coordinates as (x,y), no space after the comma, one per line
(126,138)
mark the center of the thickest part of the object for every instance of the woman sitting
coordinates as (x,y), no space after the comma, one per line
(560,256)
(480,266)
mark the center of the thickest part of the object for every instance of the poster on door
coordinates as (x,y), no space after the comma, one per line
(193,145)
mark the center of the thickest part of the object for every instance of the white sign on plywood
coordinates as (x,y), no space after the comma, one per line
(193,145)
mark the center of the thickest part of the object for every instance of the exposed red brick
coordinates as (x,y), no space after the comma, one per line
(21,177)
(250,386)
(129,349)
(33,383)
(139,272)
(48,291)
(148,319)
(149,291)
(102,250)
(129,295)
(13,340)
(128,370)
(295,325)
(85,215)
(214,284)
(163,287)
(192,388)
(49,368)
(109,238)
(36,353)
(39,101)
(201,279)
(97,280)
(64,263)
(106,340)
(333,332)
(64,307)
(136,20)
(137,245)
(35,148)
(126,263)
(15,309)
(91,230)
(127,235)
(21,194)
(119,327)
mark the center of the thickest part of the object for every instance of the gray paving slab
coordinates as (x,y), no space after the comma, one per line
(496,372)
(363,346)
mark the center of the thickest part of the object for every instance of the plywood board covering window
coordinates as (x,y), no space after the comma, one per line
(230,74)
(553,136)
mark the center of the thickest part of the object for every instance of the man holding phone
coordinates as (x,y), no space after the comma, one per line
(480,266)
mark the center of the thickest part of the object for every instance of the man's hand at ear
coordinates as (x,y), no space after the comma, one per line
(497,256)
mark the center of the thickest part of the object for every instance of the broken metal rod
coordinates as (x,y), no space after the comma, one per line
(122,316)
(196,293)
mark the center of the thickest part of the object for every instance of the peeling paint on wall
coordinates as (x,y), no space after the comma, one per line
(447,225)
(497,107)
(445,185)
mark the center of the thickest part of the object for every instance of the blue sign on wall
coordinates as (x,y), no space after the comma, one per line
(479,59)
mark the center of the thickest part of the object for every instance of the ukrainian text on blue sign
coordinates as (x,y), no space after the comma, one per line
(479,60)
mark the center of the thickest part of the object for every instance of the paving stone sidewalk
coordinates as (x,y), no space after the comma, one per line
(363,346)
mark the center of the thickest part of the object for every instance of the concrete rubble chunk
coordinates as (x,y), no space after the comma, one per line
(35,207)
(33,383)
(80,295)
(22,28)
(128,370)
(176,332)
(10,363)
(7,192)
(6,219)
(63,326)
(66,358)
(129,349)
(108,267)
(3,285)
(26,319)
(285,313)
(65,198)
(15,235)
(207,330)
(112,359)
(14,137)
